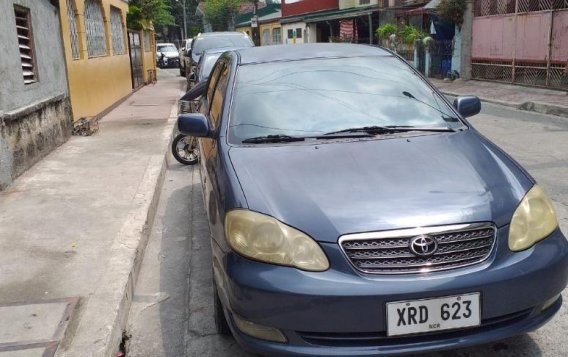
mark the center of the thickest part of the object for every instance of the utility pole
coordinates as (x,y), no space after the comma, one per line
(255,25)
(184,20)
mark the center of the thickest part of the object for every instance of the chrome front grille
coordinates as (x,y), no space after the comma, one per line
(390,252)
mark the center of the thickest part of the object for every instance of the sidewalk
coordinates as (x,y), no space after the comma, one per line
(74,227)
(546,101)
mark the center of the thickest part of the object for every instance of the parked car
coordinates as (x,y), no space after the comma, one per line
(183,50)
(206,62)
(354,211)
(170,55)
(209,40)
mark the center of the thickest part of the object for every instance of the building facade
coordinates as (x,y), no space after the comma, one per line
(295,29)
(96,52)
(268,22)
(35,115)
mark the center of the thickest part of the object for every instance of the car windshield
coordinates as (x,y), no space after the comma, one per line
(167,48)
(319,96)
(208,63)
(207,43)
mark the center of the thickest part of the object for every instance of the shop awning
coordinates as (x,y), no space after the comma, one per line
(426,9)
(329,15)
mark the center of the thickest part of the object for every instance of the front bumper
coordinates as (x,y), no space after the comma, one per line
(341,312)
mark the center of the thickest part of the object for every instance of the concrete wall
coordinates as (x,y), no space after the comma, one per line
(34,118)
(29,134)
(95,83)
(50,66)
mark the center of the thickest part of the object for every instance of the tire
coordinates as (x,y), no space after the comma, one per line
(185,149)
(220,321)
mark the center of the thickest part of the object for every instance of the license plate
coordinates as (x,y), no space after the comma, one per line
(430,315)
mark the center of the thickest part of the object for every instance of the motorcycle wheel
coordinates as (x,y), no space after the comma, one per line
(185,149)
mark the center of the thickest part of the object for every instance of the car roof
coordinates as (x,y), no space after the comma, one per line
(221,50)
(265,54)
(220,33)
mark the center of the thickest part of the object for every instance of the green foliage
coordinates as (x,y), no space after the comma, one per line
(144,13)
(409,34)
(452,11)
(383,32)
(220,12)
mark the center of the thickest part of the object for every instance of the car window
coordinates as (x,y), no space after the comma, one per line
(213,81)
(166,48)
(216,107)
(207,64)
(207,43)
(318,96)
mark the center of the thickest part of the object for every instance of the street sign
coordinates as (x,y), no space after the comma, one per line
(254,21)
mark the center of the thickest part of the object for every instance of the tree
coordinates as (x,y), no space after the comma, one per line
(452,11)
(144,13)
(220,13)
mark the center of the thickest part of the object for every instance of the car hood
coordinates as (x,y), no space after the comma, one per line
(331,189)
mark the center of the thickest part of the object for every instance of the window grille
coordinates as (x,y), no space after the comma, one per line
(72,19)
(25,44)
(277,35)
(364,2)
(116,31)
(147,41)
(95,29)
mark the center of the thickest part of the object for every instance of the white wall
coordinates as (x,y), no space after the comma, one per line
(294,26)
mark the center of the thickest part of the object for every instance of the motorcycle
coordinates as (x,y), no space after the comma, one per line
(185,148)
(162,60)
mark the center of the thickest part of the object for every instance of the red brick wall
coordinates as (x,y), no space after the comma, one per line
(307,6)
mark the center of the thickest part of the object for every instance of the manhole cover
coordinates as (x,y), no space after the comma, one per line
(32,329)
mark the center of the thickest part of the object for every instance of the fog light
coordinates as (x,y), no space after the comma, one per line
(259,331)
(550,302)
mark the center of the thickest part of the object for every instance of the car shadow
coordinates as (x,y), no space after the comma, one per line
(522,345)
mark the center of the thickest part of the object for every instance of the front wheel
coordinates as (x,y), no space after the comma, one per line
(185,149)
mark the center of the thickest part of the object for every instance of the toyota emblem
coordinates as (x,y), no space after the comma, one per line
(423,245)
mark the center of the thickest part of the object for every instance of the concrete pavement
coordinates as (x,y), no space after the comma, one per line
(74,227)
(544,101)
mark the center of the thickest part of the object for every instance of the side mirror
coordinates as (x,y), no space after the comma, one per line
(467,106)
(194,124)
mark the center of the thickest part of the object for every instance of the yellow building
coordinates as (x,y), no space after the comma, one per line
(96,42)
(268,22)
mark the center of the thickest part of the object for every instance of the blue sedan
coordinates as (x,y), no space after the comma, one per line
(355,212)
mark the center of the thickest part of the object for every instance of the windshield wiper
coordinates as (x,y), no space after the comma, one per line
(272,139)
(372,130)
(391,129)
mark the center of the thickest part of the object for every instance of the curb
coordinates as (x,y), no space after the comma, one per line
(101,325)
(537,107)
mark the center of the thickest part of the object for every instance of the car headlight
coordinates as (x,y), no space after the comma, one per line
(266,239)
(533,220)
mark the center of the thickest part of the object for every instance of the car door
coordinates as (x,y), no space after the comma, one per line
(210,163)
